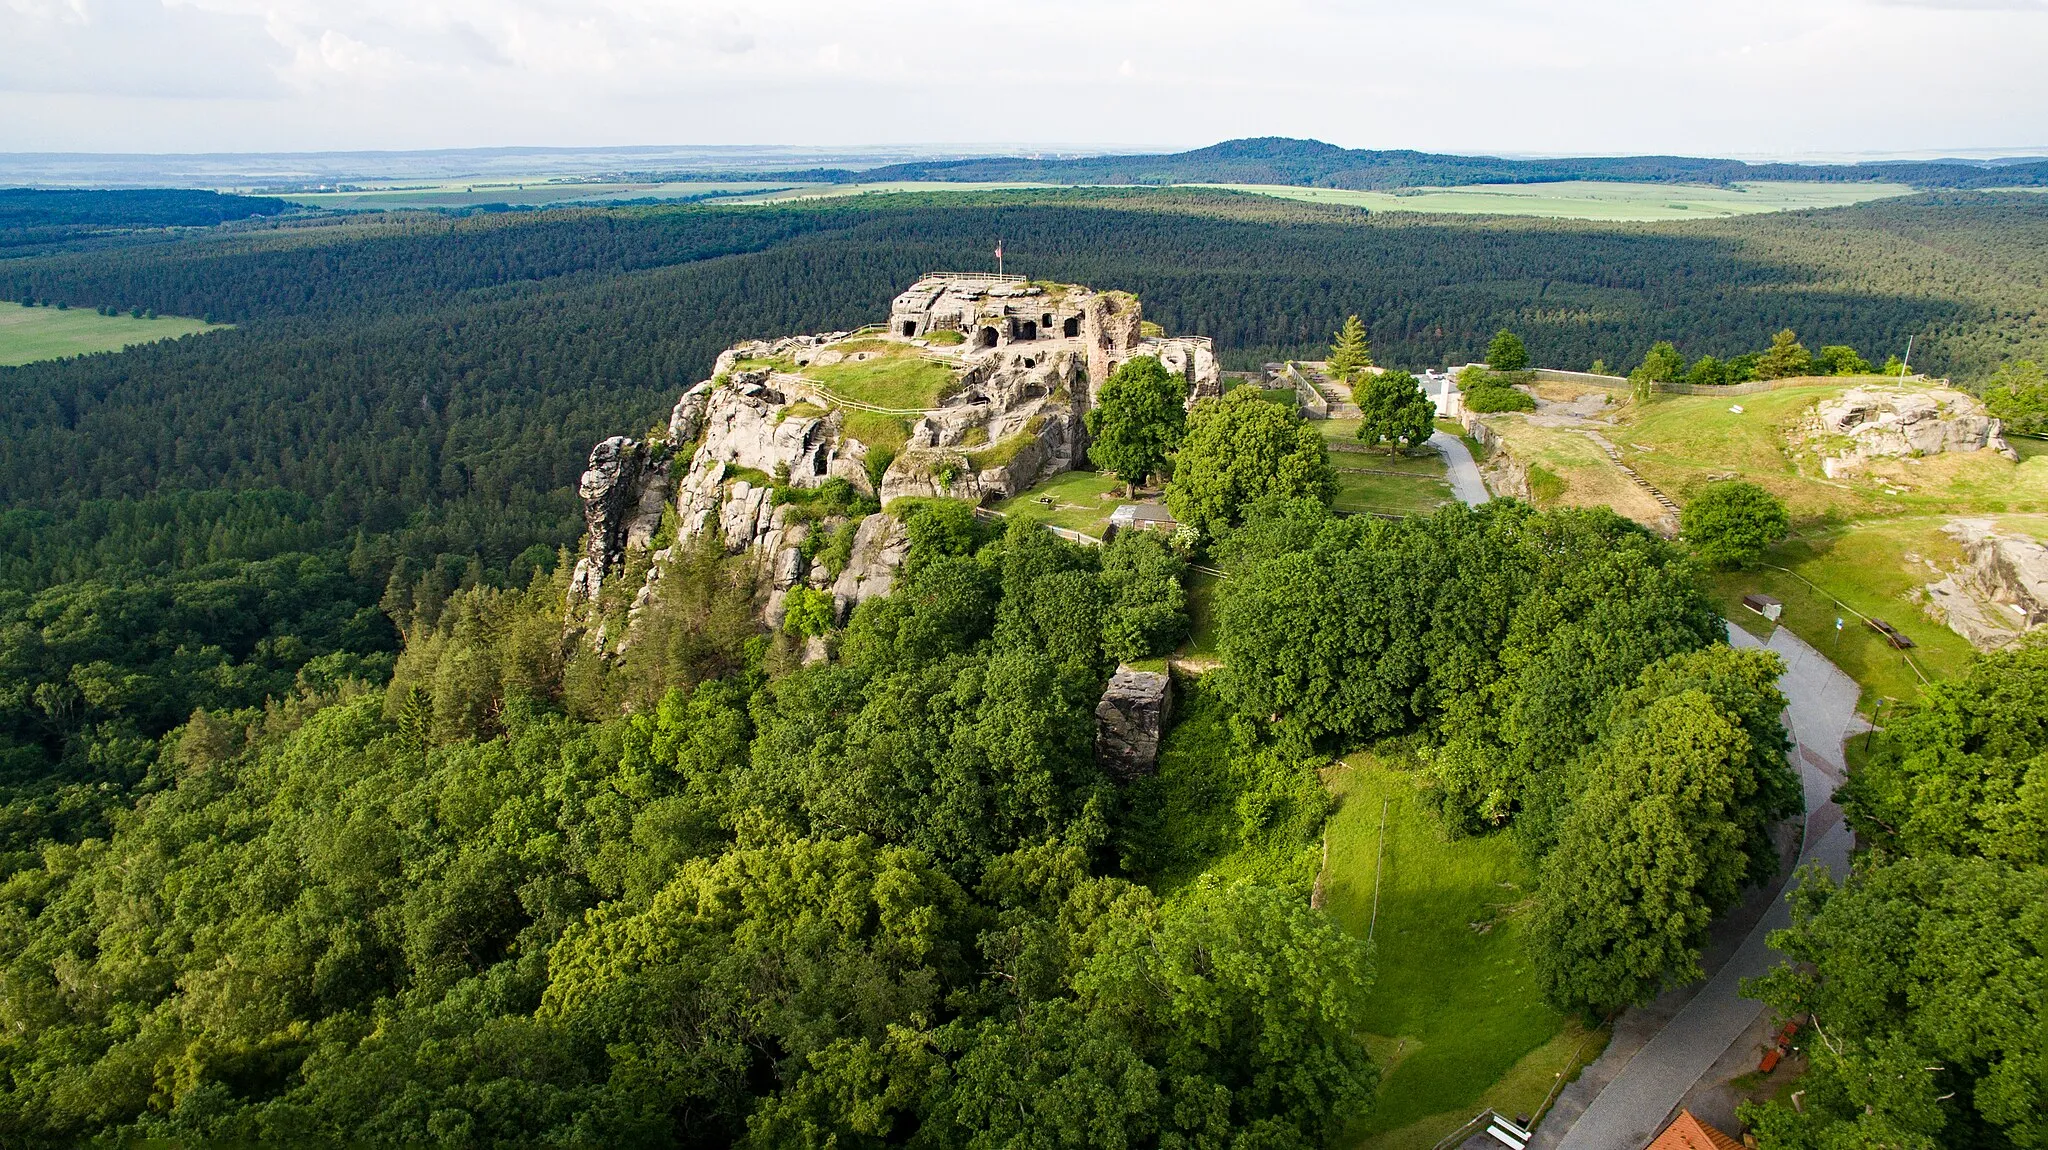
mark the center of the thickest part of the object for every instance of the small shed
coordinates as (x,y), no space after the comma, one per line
(1764,605)
(1145,516)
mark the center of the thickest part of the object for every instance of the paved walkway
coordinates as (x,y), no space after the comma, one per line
(1821,711)
(1463,473)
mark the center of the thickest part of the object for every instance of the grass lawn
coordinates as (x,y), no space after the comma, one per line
(1454,1003)
(28,334)
(1596,199)
(894,375)
(1876,568)
(1680,442)
(1082,501)
(1389,492)
(1202,634)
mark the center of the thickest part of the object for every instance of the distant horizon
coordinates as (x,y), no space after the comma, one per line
(315,166)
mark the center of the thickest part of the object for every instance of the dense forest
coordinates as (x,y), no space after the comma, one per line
(315,825)
(406,402)
(33,219)
(1926,970)
(1312,163)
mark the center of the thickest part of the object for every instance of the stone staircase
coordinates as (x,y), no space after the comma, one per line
(1614,454)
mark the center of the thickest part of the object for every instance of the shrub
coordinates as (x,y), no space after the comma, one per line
(1491,396)
(1730,524)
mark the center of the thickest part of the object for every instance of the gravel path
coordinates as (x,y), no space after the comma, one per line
(1639,1098)
(1463,473)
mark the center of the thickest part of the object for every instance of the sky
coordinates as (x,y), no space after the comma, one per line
(1732,77)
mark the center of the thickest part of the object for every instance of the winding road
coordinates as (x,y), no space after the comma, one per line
(1636,1102)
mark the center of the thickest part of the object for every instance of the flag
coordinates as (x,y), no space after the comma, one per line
(999,249)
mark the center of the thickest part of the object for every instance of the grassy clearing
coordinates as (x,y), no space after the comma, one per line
(28,334)
(1876,568)
(894,375)
(1586,477)
(1081,501)
(1680,442)
(1389,493)
(1203,637)
(1454,1000)
(1595,199)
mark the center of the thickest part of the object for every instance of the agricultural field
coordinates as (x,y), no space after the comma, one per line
(534,193)
(839,191)
(1593,199)
(28,334)
(1457,1019)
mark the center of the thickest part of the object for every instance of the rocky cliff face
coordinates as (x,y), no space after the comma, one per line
(1025,358)
(2001,591)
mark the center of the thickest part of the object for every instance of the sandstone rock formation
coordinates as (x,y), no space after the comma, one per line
(623,492)
(1880,423)
(2001,591)
(1130,720)
(1027,360)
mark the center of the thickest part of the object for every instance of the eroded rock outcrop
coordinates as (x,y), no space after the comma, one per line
(780,417)
(1130,720)
(2001,591)
(624,490)
(1894,423)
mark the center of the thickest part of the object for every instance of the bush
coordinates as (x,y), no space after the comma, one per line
(1730,524)
(1491,397)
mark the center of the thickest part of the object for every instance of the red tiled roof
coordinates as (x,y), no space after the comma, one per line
(1689,1133)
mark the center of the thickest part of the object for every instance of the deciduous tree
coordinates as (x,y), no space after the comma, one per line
(1732,523)
(1506,352)
(1395,412)
(1138,419)
(1240,448)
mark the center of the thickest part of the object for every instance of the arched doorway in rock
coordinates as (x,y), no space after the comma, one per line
(988,337)
(1073,326)
(909,327)
(1028,330)
(1045,321)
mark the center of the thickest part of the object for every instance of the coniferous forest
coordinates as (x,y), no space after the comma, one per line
(313,827)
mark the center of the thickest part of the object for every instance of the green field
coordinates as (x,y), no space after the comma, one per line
(1454,1008)
(1081,501)
(1389,492)
(893,375)
(1374,482)
(837,191)
(1594,200)
(28,334)
(1864,543)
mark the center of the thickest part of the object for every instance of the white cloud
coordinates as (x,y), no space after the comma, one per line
(1499,75)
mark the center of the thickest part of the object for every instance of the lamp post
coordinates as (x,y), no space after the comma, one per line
(1876,712)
